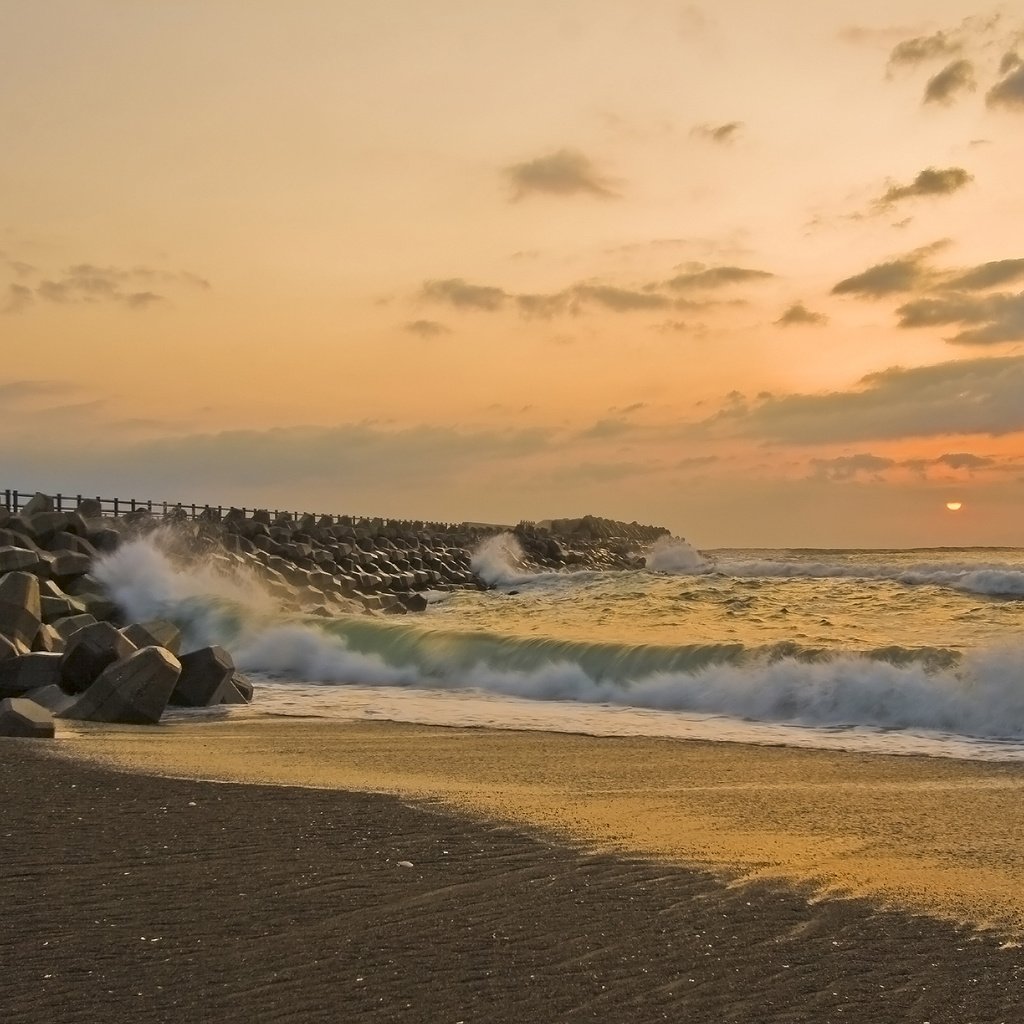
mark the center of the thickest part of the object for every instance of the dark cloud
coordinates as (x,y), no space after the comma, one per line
(932,181)
(987,275)
(426,328)
(952,80)
(564,173)
(992,319)
(141,300)
(1009,91)
(18,298)
(1011,59)
(924,48)
(904,274)
(847,467)
(963,460)
(620,299)
(718,133)
(464,295)
(541,305)
(699,277)
(976,396)
(798,313)
(606,428)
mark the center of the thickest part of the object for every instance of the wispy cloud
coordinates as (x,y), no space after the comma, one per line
(925,48)
(722,134)
(426,328)
(566,172)
(1008,92)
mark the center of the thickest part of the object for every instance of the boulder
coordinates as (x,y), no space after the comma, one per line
(90,508)
(89,652)
(62,607)
(51,697)
(20,717)
(21,612)
(205,678)
(38,503)
(68,564)
(156,633)
(28,672)
(240,691)
(48,640)
(67,628)
(134,691)
(10,649)
(12,559)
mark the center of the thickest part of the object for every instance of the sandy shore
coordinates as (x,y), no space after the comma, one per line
(922,834)
(142,899)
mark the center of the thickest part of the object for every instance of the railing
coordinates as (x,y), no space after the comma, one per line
(14,501)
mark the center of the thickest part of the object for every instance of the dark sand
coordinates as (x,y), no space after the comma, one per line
(127,897)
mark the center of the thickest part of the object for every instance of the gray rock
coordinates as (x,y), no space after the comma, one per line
(20,717)
(62,607)
(89,652)
(67,564)
(157,633)
(48,640)
(133,692)
(39,503)
(13,559)
(240,692)
(205,678)
(90,508)
(51,697)
(28,672)
(67,628)
(20,610)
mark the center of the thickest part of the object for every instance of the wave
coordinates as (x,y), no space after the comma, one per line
(978,694)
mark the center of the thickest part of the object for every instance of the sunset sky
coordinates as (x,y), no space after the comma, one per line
(752,271)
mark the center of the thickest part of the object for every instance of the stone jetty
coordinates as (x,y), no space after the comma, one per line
(66,650)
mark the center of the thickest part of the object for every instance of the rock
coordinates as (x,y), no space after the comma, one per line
(12,559)
(39,503)
(90,508)
(20,717)
(10,649)
(68,564)
(89,652)
(156,633)
(205,678)
(240,691)
(48,640)
(64,607)
(67,628)
(51,697)
(20,609)
(28,672)
(132,692)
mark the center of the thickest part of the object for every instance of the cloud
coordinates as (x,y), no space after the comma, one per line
(847,467)
(993,319)
(565,172)
(963,460)
(1011,59)
(904,274)
(864,35)
(90,283)
(987,275)
(463,295)
(620,299)
(18,298)
(607,428)
(426,328)
(953,79)
(798,313)
(722,134)
(932,181)
(924,48)
(1009,91)
(975,396)
(699,277)
(18,390)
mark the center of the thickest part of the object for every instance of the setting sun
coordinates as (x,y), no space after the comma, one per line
(954,506)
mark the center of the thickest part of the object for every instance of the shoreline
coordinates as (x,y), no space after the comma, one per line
(143,899)
(928,835)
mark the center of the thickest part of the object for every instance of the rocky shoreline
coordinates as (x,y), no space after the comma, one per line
(67,652)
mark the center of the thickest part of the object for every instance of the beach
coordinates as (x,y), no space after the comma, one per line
(377,871)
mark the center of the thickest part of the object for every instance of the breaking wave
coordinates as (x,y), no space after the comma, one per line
(977,694)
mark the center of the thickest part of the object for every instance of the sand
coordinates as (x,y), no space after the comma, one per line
(929,835)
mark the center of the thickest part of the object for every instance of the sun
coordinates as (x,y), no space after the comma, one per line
(954,506)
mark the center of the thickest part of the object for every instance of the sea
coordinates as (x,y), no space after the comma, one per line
(877,651)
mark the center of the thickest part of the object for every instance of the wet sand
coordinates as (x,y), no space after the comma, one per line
(921,834)
(135,898)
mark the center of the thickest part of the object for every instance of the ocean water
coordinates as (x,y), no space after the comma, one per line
(895,652)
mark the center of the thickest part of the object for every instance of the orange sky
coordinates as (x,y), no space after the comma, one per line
(751,271)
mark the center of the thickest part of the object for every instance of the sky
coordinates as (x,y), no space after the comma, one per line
(750,271)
